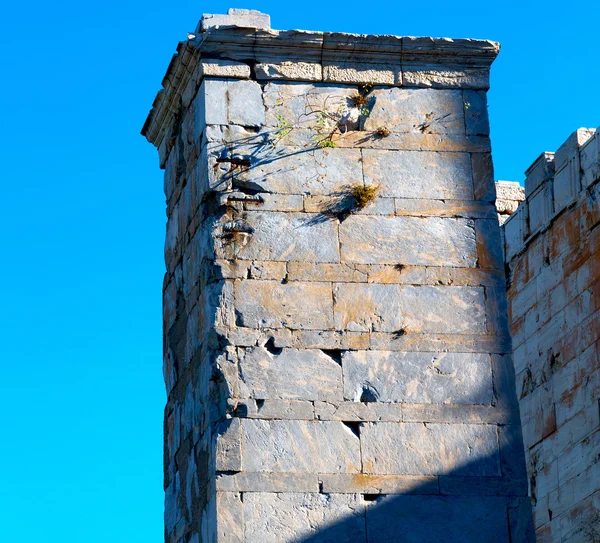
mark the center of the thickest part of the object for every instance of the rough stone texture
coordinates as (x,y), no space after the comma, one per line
(322,356)
(299,446)
(292,374)
(425,241)
(451,378)
(276,518)
(554,312)
(429,449)
(410,174)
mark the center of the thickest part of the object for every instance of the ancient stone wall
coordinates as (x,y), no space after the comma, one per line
(553,256)
(337,355)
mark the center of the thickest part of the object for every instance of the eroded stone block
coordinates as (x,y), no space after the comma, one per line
(299,446)
(429,448)
(452,378)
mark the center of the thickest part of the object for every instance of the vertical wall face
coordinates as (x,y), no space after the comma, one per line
(334,369)
(553,254)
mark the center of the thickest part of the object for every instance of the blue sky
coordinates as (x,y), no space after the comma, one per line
(81,393)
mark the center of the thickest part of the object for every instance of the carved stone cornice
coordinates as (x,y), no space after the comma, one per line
(353,59)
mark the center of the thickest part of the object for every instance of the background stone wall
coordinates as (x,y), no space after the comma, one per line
(334,370)
(553,256)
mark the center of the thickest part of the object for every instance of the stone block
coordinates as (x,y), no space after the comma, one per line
(450,310)
(223,102)
(489,245)
(230,517)
(444,208)
(567,184)
(460,449)
(267,304)
(299,446)
(476,113)
(366,307)
(457,378)
(541,208)
(435,519)
(352,72)
(515,231)
(243,18)
(301,105)
(308,374)
(299,237)
(590,160)
(280,518)
(300,171)
(569,150)
(275,409)
(483,177)
(291,71)
(223,68)
(408,241)
(267,482)
(411,174)
(429,111)
(539,172)
(228,450)
(310,271)
(359,411)
(361,483)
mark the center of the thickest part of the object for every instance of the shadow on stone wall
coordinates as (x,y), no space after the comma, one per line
(461,509)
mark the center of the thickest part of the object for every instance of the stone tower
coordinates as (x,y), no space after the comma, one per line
(553,255)
(336,347)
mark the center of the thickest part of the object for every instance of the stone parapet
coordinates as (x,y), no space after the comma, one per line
(554,182)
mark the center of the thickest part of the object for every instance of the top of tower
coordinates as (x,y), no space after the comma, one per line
(241,44)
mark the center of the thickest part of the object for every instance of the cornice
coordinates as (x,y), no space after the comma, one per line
(340,58)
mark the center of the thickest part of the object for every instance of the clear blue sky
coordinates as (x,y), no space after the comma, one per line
(83,218)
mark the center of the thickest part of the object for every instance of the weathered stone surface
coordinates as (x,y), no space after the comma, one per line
(269,304)
(280,518)
(476,114)
(408,241)
(483,177)
(223,68)
(366,307)
(299,446)
(378,484)
(228,450)
(290,237)
(411,174)
(443,309)
(222,101)
(300,104)
(309,271)
(293,374)
(457,378)
(298,71)
(444,208)
(446,77)
(268,482)
(442,448)
(273,302)
(411,110)
(243,18)
(275,409)
(432,519)
(351,72)
(359,411)
(301,170)
(230,517)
